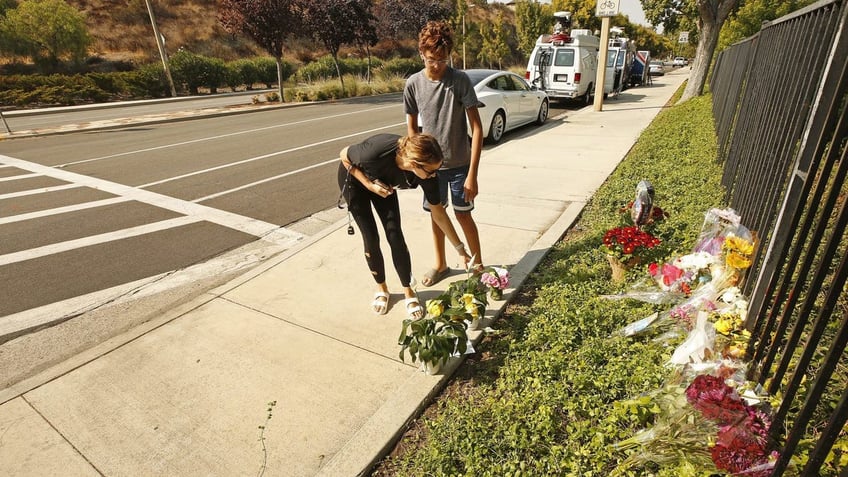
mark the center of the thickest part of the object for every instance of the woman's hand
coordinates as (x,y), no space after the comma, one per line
(380,189)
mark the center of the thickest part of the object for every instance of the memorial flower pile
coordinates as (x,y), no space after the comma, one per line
(713,429)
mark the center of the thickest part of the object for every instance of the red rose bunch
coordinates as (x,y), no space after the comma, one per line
(625,242)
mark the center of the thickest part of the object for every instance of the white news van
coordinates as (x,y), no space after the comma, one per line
(620,57)
(565,65)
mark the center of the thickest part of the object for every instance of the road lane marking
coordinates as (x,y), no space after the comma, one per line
(268,179)
(14,178)
(98,239)
(258,228)
(62,210)
(221,136)
(52,313)
(12,195)
(265,156)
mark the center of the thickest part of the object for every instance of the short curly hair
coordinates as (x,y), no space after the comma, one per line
(436,37)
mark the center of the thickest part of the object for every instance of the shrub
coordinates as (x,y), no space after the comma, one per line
(403,67)
(267,70)
(192,71)
(147,81)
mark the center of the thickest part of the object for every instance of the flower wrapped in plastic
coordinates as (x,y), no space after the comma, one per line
(718,223)
(741,443)
(703,425)
(685,273)
(729,321)
(497,280)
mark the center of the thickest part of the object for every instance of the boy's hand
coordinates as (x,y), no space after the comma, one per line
(470,187)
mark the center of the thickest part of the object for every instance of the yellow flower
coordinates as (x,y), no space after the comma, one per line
(735,260)
(470,304)
(723,326)
(435,308)
(738,244)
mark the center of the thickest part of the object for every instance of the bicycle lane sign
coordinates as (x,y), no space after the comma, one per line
(607,8)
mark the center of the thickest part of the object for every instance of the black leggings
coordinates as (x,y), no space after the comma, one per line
(359,202)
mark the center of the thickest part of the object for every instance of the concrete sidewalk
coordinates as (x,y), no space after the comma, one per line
(185,394)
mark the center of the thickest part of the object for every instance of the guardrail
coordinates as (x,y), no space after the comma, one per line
(779,102)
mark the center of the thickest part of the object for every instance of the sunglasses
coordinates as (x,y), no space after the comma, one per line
(430,173)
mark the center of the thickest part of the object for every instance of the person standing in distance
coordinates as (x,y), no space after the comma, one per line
(443,97)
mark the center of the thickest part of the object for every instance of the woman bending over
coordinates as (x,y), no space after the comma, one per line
(369,173)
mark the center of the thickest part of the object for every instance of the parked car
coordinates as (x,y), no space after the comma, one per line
(656,68)
(508,102)
(679,61)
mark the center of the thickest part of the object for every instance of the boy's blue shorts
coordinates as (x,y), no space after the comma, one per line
(453,180)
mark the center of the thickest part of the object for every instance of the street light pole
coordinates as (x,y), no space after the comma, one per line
(463,40)
(161,45)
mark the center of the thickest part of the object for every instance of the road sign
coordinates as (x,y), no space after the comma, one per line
(607,8)
(684,37)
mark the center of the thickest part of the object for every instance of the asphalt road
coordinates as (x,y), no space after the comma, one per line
(114,207)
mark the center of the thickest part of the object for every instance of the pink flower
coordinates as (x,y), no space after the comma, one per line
(671,274)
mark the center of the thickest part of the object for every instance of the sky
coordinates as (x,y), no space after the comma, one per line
(633,9)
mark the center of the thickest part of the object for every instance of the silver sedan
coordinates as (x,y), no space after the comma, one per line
(509,102)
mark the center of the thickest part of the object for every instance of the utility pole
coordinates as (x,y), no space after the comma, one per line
(162,53)
(463,40)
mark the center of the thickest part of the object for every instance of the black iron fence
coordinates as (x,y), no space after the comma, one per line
(779,102)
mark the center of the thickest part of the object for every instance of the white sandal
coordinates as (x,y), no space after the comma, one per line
(380,303)
(413,307)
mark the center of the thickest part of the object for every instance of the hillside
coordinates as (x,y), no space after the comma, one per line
(122,30)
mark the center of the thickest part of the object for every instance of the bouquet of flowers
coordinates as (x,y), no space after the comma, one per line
(442,332)
(705,425)
(729,322)
(684,273)
(497,280)
(741,444)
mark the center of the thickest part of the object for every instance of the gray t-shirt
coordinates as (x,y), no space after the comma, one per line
(441,106)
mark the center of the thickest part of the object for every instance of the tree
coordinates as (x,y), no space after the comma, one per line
(270,23)
(338,22)
(7,5)
(531,20)
(366,37)
(582,13)
(750,16)
(404,18)
(47,31)
(494,42)
(709,15)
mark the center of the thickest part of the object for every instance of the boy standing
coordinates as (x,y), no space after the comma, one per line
(443,97)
